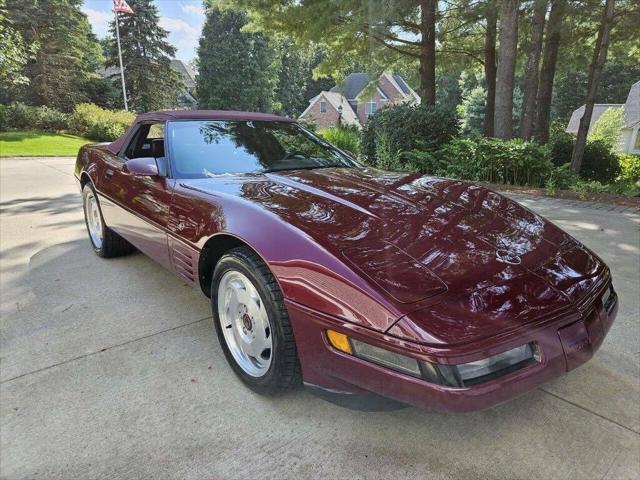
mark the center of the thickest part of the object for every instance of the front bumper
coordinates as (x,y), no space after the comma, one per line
(564,344)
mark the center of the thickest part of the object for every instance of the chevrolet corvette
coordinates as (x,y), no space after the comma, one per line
(429,291)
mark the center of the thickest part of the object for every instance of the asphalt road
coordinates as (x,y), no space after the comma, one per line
(111,369)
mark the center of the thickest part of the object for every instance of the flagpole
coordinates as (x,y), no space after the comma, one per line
(124,88)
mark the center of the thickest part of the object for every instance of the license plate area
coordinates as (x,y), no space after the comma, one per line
(576,344)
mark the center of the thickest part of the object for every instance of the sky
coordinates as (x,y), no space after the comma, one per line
(182,18)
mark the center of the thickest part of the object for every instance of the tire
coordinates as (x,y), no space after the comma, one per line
(283,372)
(105,242)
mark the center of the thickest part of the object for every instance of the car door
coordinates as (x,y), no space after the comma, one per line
(137,207)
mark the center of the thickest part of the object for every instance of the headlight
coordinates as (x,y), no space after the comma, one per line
(461,375)
(386,358)
(472,373)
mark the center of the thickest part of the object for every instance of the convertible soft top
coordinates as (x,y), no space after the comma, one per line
(115,146)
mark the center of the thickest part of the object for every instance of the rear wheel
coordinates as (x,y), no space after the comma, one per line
(105,242)
(252,323)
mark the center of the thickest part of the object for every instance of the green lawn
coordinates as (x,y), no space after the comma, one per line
(39,144)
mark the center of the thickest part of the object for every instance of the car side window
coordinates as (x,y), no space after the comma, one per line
(148,141)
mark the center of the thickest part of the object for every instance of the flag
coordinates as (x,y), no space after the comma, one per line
(121,6)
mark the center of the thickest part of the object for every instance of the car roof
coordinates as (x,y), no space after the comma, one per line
(116,146)
(209,115)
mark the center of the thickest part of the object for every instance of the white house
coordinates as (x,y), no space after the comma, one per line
(630,137)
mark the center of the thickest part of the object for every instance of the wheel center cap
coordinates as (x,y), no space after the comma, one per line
(246,321)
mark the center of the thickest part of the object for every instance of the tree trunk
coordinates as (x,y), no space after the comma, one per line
(548,70)
(506,68)
(531,70)
(428,51)
(599,59)
(490,68)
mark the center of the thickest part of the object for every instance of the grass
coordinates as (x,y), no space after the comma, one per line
(39,144)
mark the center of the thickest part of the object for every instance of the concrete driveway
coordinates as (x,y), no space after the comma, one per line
(111,369)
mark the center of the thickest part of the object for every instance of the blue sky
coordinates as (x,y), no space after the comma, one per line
(182,18)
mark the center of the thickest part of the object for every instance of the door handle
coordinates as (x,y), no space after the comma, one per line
(109,173)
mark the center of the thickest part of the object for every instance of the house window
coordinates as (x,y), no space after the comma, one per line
(323,107)
(370,108)
(636,144)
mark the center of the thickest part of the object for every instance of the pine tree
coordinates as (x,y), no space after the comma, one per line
(236,69)
(67,56)
(150,81)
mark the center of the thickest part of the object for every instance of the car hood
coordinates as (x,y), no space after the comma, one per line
(426,241)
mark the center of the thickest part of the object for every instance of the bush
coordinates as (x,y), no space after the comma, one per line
(629,168)
(19,116)
(401,128)
(608,128)
(561,178)
(514,162)
(345,138)
(599,162)
(98,123)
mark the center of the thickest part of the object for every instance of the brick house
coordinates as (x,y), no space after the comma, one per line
(357,99)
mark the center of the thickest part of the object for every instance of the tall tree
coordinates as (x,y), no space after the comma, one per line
(531,69)
(428,10)
(14,52)
(68,53)
(548,70)
(506,68)
(236,69)
(372,30)
(150,81)
(490,67)
(595,70)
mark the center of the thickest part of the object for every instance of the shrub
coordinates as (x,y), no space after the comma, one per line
(98,123)
(561,178)
(599,162)
(629,168)
(514,162)
(345,138)
(400,128)
(608,128)
(19,116)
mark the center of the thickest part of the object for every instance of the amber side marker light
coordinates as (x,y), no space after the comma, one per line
(339,341)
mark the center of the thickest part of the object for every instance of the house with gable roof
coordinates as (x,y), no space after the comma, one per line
(630,142)
(357,99)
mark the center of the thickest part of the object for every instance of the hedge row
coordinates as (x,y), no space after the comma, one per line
(87,120)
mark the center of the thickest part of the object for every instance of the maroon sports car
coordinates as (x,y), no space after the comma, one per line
(433,292)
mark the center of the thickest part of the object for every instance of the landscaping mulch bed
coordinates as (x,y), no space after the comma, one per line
(608,198)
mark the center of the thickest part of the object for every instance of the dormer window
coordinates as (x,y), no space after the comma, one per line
(323,107)
(370,108)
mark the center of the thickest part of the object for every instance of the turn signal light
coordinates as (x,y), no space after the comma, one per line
(339,341)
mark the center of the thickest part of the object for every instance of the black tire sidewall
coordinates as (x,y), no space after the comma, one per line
(269,382)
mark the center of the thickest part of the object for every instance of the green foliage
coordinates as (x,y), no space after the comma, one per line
(629,168)
(19,116)
(598,162)
(608,128)
(150,81)
(345,138)
(15,53)
(98,123)
(236,69)
(400,128)
(561,178)
(514,162)
(67,56)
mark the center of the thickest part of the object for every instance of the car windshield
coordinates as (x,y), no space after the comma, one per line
(201,149)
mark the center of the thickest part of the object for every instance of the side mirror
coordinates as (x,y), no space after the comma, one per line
(143,166)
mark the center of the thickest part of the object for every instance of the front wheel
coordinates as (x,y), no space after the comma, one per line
(252,323)
(105,242)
